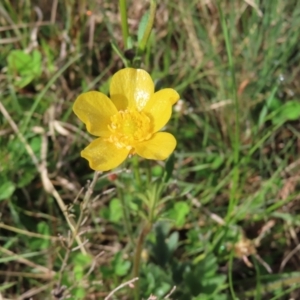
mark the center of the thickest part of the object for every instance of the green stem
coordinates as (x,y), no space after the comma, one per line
(236,141)
(125,215)
(149,173)
(124,23)
(137,258)
(144,40)
(136,168)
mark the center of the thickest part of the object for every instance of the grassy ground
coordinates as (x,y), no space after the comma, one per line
(230,227)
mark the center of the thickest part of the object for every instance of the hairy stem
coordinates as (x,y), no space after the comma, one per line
(137,258)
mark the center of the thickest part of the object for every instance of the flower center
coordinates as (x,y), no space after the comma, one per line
(129,127)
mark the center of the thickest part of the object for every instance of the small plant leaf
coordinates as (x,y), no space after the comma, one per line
(290,111)
(179,212)
(6,190)
(24,67)
(115,210)
(121,266)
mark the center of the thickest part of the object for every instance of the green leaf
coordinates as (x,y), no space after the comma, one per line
(217,162)
(6,190)
(36,143)
(203,279)
(5,286)
(290,111)
(121,266)
(267,106)
(79,293)
(81,262)
(18,61)
(115,210)
(107,271)
(157,171)
(24,67)
(23,63)
(82,259)
(169,167)
(172,241)
(142,26)
(43,228)
(157,281)
(26,176)
(78,272)
(179,212)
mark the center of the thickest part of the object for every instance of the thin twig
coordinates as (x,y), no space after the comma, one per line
(171,292)
(28,233)
(288,257)
(43,276)
(120,287)
(34,291)
(263,263)
(53,11)
(25,25)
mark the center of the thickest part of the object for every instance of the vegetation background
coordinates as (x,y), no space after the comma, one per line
(230,229)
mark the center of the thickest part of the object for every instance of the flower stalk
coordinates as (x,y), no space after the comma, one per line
(137,174)
(125,212)
(137,257)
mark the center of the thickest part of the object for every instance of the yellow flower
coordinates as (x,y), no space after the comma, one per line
(128,122)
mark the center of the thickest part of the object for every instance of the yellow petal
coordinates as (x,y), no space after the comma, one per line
(103,155)
(95,109)
(159,108)
(171,94)
(131,88)
(159,147)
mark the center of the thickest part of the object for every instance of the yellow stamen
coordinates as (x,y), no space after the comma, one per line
(128,127)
